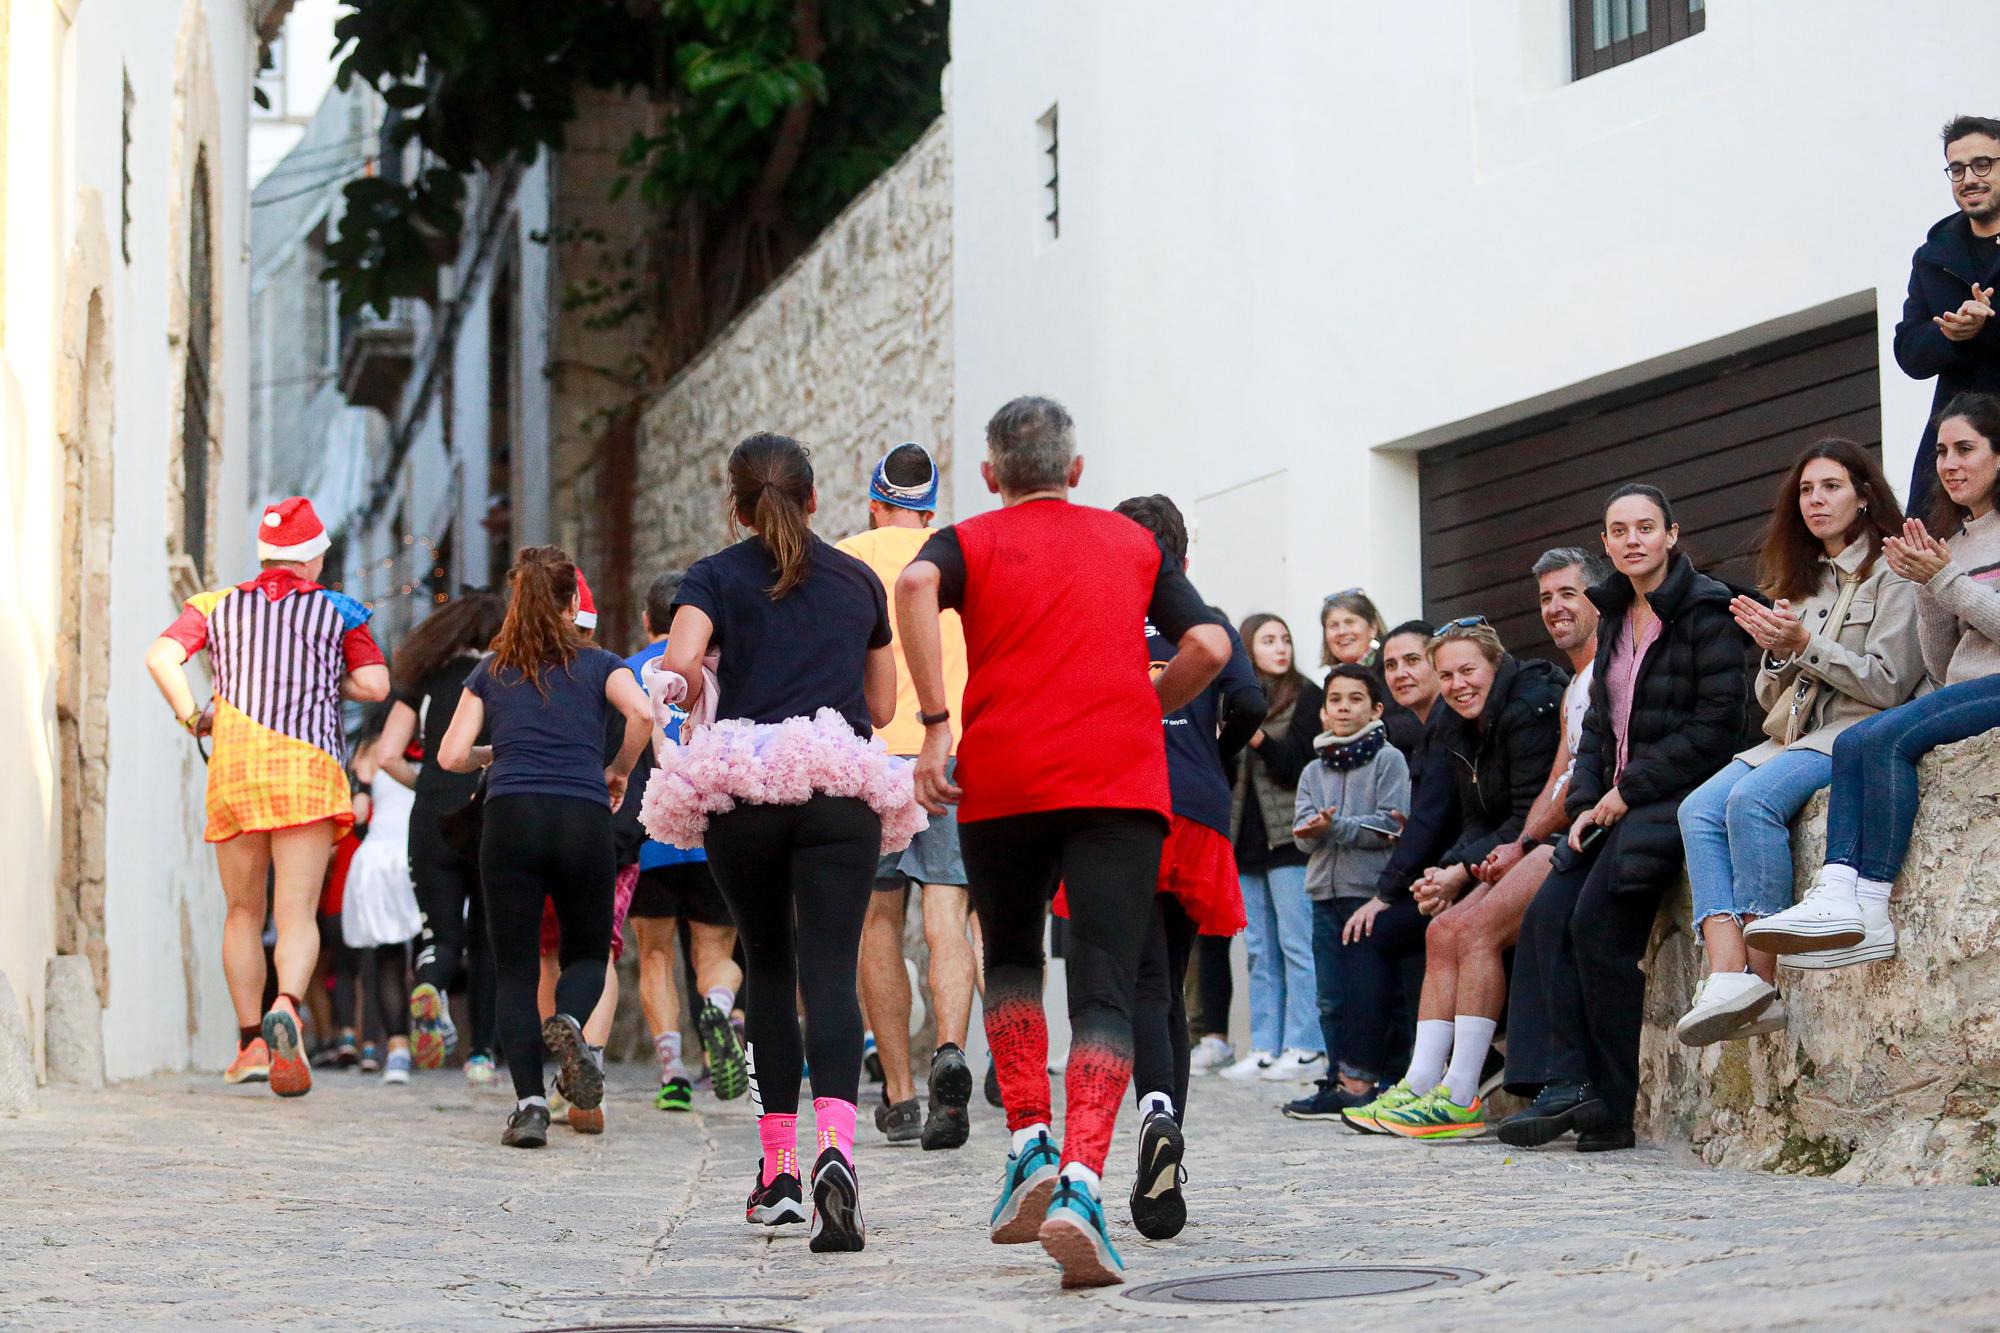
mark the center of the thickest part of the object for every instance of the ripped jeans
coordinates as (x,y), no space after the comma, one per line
(1737,828)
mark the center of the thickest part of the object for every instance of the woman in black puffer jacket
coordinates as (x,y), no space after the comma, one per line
(1667,708)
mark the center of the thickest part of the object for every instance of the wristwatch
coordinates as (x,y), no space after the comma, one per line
(932,719)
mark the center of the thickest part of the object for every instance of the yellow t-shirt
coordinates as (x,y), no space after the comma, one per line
(887,551)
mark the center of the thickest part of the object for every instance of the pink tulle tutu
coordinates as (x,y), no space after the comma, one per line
(776,763)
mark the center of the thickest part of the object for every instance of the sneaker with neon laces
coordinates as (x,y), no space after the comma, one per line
(251,1065)
(1074,1234)
(291,1073)
(1435,1116)
(1363,1119)
(397,1069)
(432,1033)
(479,1071)
(1025,1189)
(727,1070)
(836,1212)
(676,1094)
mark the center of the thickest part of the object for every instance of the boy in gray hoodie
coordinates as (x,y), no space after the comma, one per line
(1357,780)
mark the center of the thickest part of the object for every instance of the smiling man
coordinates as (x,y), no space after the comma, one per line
(1947,331)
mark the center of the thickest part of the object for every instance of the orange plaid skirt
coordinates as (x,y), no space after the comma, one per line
(260,779)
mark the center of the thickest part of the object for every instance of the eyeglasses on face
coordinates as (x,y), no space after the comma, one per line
(1980,167)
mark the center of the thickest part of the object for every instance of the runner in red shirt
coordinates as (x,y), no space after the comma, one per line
(1065,781)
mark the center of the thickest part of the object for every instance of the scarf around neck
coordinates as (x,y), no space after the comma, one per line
(1342,753)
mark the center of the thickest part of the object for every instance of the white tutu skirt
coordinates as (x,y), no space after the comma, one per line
(781,763)
(380,904)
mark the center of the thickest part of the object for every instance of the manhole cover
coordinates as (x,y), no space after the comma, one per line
(1272,1286)
(682,1327)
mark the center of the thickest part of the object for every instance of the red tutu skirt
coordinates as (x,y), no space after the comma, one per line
(1197,866)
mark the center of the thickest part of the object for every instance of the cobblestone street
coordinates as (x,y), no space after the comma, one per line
(362,1207)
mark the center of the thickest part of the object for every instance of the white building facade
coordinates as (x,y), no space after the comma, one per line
(1284,264)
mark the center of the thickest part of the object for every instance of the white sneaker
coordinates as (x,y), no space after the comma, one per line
(1828,918)
(1250,1066)
(1878,941)
(1772,1019)
(1294,1066)
(1723,1004)
(1211,1052)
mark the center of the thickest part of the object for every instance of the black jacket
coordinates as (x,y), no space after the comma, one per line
(1941,276)
(1500,762)
(1688,710)
(1433,814)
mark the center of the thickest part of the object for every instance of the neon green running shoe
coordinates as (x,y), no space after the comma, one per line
(1435,1116)
(1362,1119)
(676,1094)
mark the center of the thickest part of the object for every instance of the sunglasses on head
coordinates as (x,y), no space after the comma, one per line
(1333,597)
(1452,626)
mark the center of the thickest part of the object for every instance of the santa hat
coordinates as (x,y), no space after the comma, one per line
(586,607)
(291,531)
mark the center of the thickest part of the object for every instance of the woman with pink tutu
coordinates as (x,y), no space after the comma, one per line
(779,778)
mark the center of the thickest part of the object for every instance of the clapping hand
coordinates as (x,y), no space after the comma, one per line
(1775,629)
(1916,555)
(1313,825)
(1964,323)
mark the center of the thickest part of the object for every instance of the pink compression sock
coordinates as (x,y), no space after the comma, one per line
(780,1136)
(833,1123)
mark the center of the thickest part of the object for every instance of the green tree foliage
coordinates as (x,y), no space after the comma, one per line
(773,114)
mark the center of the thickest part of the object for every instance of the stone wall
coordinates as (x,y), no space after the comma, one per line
(850,352)
(1889,1071)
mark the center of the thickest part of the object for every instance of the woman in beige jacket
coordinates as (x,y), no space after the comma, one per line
(1839,644)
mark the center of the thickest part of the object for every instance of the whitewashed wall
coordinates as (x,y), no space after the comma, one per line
(1296,246)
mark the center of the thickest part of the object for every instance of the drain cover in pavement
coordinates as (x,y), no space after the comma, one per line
(1270,1286)
(682,1327)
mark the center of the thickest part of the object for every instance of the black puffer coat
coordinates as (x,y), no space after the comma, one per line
(1500,761)
(1688,709)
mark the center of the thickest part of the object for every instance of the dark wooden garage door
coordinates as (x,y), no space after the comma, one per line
(1717,439)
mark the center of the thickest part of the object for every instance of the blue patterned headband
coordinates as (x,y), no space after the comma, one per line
(920,498)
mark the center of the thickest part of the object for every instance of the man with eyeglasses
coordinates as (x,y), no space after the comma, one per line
(1948,330)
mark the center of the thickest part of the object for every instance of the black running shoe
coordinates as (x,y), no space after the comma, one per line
(528,1127)
(836,1216)
(727,1072)
(902,1123)
(1607,1138)
(577,1075)
(1556,1110)
(1158,1208)
(948,1124)
(777,1203)
(993,1084)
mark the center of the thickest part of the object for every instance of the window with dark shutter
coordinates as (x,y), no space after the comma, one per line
(1606,33)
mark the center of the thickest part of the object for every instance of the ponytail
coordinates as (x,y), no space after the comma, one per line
(770,488)
(538,632)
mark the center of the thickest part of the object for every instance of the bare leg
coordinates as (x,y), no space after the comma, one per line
(299,856)
(1442,942)
(659,997)
(714,949)
(1490,926)
(545,990)
(885,991)
(1727,952)
(597,1028)
(244,862)
(953,971)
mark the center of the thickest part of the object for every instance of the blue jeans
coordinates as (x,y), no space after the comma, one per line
(1284,1004)
(1874,803)
(1737,828)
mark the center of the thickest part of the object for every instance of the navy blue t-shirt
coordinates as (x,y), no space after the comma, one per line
(796,655)
(1195,776)
(547,744)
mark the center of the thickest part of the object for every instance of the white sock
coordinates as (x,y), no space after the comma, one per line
(1427,1057)
(1839,877)
(1078,1173)
(1472,1038)
(1155,1101)
(1872,890)
(722,998)
(1026,1135)
(525,1102)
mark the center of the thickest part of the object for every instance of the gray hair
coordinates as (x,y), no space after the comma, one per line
(1596,569)
(1030,442)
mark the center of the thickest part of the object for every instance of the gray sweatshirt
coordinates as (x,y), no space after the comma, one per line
(1346,859)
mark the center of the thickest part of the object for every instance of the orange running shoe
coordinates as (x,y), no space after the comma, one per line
(251,1065)
(291,1073)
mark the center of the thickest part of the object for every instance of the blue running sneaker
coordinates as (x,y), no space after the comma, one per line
(1074,1235)
(1025,1191)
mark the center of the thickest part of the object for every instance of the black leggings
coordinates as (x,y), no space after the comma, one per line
(1215,986)
(797,879)
(1159,1021)
(454,914)
(558,848)
(385,991)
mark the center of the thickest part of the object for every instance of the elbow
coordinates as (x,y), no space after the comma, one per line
(1210,646)
(881,715)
